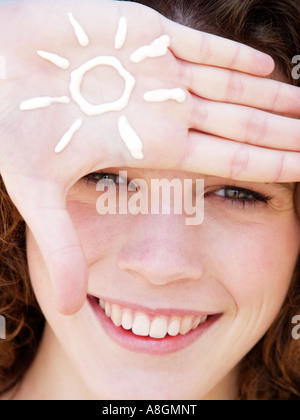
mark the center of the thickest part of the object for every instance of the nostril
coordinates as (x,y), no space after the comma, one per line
(160,268)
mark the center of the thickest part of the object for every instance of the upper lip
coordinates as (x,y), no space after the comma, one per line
(157,311)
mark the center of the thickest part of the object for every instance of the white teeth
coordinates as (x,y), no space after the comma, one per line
(116,316)
(159,327)
(186,325)
(196,322)
(144,325)
(108,310)
(127,319)
(141,325)
(174,327)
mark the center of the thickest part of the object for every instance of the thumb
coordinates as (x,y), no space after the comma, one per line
(57,239)
(42,206)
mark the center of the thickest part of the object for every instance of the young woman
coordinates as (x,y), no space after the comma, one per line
(172,311)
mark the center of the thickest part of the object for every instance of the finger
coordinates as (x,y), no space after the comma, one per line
(226,159)
(246,125)
(203,48)
(224,85)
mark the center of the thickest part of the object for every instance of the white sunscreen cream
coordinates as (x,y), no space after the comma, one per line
(80,33)
(158,48)
(121,33)
(65,140)
(55,59)
(93,110)
(42,102)
(163,95)
(130,138)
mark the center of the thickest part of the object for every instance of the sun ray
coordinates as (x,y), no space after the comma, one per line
(42,102)
(80,33)
(158,48)
(121,33)
(130,138)
(163,95)
(66,138)
(55,59)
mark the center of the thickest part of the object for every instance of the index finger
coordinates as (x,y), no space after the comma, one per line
(204,48)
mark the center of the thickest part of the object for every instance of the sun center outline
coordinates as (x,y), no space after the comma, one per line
(158,48)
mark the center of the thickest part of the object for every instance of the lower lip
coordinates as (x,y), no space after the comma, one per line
(148,345)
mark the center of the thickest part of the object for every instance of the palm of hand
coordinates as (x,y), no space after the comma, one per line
(37,178)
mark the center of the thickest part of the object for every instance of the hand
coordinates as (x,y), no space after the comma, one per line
(36,177)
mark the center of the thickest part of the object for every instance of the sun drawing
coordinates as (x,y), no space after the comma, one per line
(158,48)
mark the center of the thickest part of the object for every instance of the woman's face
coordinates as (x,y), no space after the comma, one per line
(216,288)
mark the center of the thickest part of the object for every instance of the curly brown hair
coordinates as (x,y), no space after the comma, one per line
(24,320)
(271,371)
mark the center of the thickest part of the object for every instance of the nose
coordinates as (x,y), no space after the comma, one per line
(162,250)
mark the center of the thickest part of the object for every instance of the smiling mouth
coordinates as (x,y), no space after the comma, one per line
(143,324)
(154,332)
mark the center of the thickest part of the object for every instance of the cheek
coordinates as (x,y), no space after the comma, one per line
(98,234)
(256,264)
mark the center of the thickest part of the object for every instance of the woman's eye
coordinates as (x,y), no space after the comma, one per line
(241,196)
(107,178)
(96,177)
(234,193)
